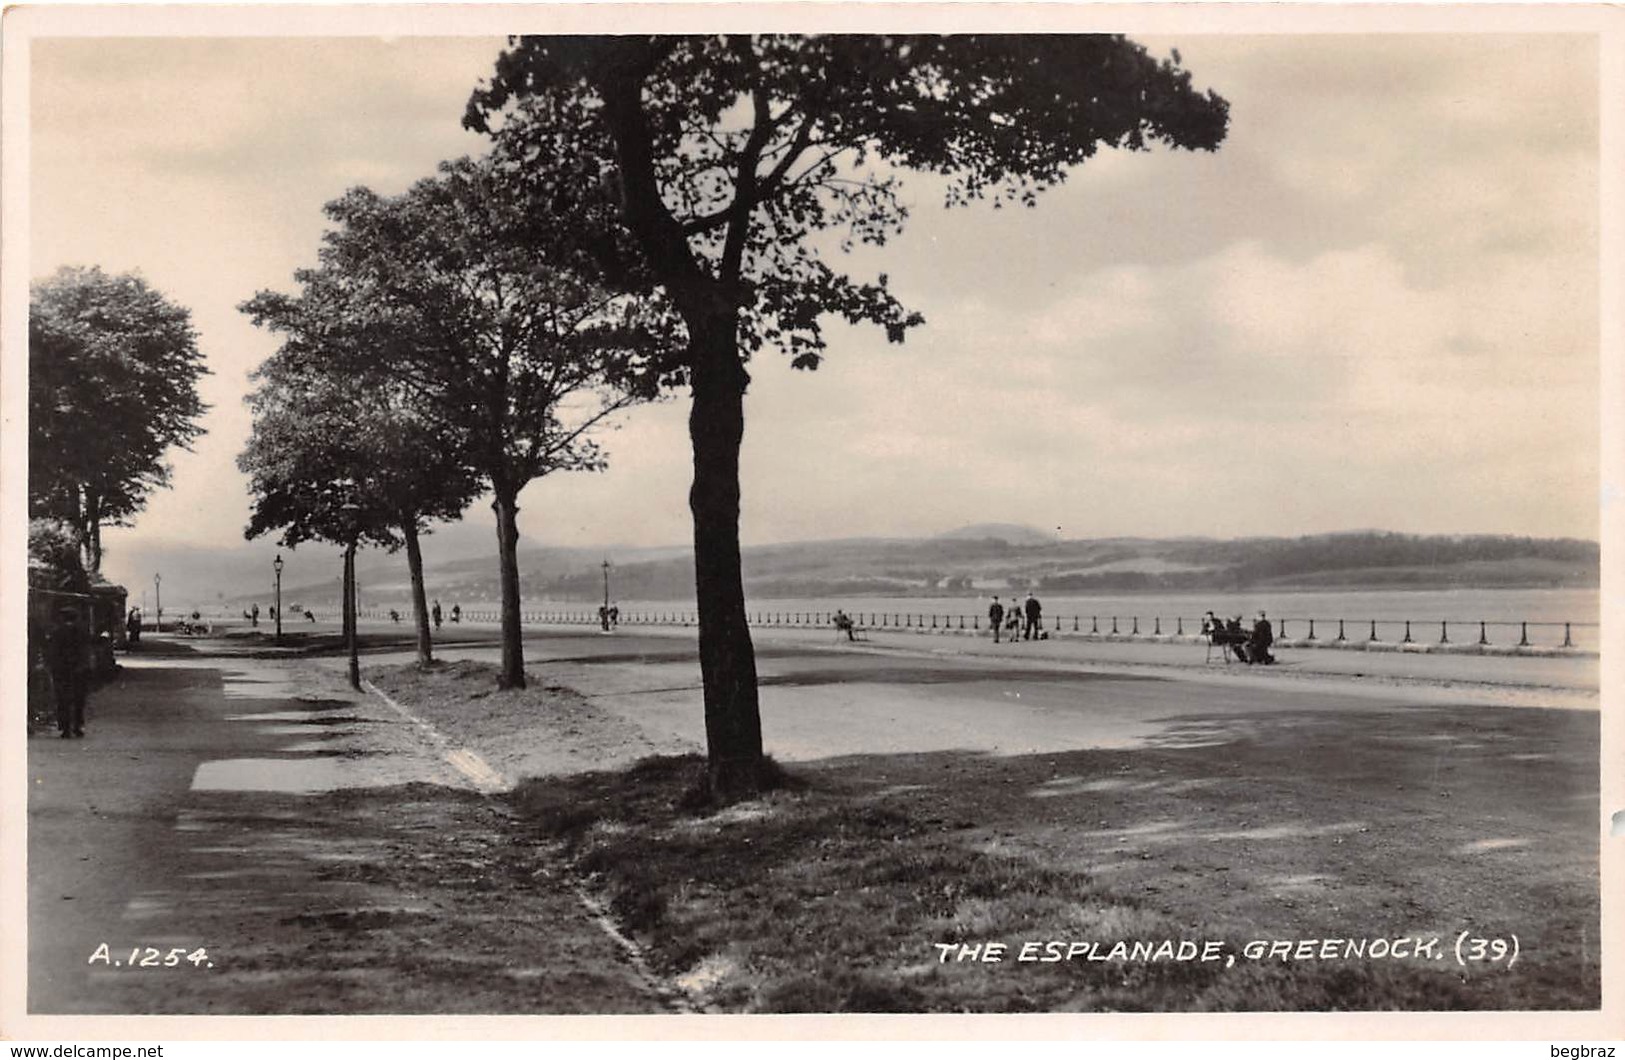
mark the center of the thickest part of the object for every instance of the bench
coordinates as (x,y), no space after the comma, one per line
(1225,641)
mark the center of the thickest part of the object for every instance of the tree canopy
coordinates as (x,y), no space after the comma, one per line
(347,458)
(113,371)
(449,292)
(726,156)
(330,461)
(479,295)
(54,560)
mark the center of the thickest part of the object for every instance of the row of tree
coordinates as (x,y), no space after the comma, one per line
(649,217)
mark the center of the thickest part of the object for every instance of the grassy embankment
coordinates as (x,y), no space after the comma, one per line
(832,893)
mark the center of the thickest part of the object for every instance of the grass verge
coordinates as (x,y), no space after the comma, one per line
(833,896)
(837,892)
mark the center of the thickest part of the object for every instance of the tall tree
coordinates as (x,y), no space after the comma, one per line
(471,293)
(113,368)
(313,427)
(727,154)
(313,475)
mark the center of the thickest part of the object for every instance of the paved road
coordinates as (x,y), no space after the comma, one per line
(1382,662)
(822,697)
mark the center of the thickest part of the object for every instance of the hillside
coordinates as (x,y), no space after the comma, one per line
(967,563)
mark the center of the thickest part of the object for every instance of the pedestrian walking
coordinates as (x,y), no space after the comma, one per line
(435,612)
(1035,614)
(132,627)
(66,657)
(995,618)
(457,613)
(254,614)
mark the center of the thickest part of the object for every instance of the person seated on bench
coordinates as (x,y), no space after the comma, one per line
(843,623)
(1213,628)
(1258,648)
(1236,638)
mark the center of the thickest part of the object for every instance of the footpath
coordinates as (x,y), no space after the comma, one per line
(242,836)
(1505,677)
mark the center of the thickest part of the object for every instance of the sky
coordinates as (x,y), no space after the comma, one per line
(1374,307)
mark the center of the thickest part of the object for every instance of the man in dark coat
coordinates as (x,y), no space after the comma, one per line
(1258,649)
(995,617)
(1035,612)
(66,655)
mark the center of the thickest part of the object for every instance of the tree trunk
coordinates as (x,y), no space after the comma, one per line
(349,617)
(513,657)
(716,426)
(420,600)
(92,533)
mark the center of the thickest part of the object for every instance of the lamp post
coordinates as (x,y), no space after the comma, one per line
(352,512)
(604,621)
(276,565)
(158,601)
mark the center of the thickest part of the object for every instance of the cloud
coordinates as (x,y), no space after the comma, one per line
(1375,305)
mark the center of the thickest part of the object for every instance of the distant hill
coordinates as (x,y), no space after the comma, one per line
(1009,533)
(970,561)
(974,561)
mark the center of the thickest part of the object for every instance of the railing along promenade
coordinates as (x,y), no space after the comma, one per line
(1482,636)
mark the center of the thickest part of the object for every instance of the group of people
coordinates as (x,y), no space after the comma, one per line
(609,616)
(253,614)
(1249,646)
(436,614)
(1025,619)
(1022,620)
